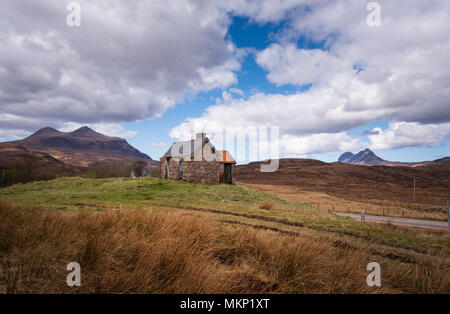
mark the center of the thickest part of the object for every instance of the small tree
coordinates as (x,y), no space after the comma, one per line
(138,168)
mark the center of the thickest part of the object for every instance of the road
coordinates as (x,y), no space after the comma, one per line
(399,221)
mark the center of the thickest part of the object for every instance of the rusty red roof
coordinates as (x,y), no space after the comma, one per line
(225,157)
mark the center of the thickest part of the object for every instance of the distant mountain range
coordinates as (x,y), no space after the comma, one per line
(369,158)
(80,148)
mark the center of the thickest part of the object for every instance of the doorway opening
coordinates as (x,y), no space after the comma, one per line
(180,169)
(228,173)
(167,168)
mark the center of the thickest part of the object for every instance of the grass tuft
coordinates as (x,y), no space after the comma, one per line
(266,204)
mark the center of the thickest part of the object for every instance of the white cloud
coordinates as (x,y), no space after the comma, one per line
(133,61)
(126,62)
(161,144)
(289,65)
(318,143)
(397,72)
(12,134)
(319,110)
(405,65)
(237,91)
(307,122)
(404,134)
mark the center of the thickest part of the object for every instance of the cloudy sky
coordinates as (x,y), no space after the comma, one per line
(155,71)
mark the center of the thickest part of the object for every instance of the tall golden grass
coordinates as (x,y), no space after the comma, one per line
(124,251)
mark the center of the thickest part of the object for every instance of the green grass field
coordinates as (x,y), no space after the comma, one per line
(70,194)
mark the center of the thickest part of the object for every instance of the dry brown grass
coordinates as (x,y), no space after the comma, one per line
(124,251)
(328,202)
(267,204)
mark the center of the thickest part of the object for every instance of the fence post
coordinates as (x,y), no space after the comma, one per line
(363,217)
(448,214)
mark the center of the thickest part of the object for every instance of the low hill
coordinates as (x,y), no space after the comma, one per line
(355,181)
(10,156)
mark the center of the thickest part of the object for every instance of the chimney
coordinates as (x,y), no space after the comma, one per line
(200,135)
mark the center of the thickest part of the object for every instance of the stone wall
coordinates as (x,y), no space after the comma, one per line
(173,169)
(193,171)
(201,171)
(162,167)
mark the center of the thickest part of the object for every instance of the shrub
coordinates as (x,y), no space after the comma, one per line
(266,204)
(155,173)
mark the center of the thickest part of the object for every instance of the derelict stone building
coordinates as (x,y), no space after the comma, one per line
(197,160)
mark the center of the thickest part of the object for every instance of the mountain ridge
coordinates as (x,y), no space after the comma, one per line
(81,147)
(369,158)
(365,157)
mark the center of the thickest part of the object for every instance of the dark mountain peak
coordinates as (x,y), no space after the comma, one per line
(47,131)
(367,153)
(345,157)
(365,157)
(80,147)
(85,131)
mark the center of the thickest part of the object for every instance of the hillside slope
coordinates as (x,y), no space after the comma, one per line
(355,181)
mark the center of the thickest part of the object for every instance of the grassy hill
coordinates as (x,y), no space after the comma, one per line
(151,235)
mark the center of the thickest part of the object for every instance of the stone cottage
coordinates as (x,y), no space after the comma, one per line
(197,160)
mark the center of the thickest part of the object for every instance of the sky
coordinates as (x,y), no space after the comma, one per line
(330,75)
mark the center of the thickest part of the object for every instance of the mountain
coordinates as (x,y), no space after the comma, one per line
(369,158)
(365,157)
(80,148)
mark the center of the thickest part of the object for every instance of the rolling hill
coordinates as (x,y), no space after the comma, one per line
(355,182)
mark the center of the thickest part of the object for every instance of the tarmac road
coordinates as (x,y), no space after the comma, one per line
(399,221)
